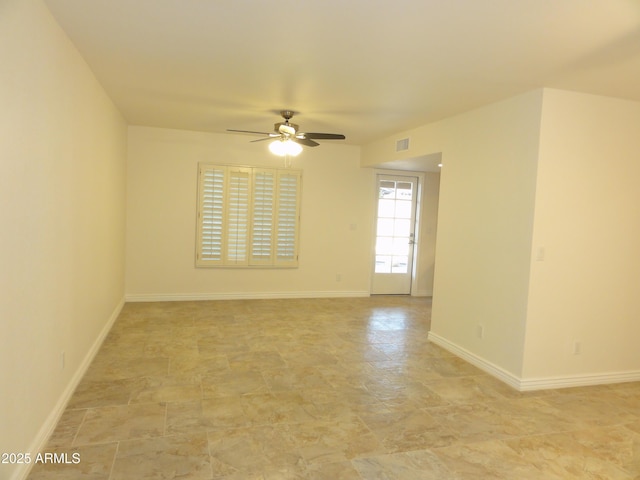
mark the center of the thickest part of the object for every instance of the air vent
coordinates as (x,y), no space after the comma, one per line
(402,145)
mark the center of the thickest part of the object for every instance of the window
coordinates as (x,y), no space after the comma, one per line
(247,216)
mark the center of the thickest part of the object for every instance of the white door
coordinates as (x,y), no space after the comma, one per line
(395,226)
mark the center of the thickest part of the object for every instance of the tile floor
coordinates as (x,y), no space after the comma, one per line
(323,389)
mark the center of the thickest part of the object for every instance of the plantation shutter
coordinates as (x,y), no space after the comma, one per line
(264,191)
(247,216)
(210,215)
(237,216)
(287,217)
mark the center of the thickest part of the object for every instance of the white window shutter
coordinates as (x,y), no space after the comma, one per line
(210,215)
(238,216)
(287,217)
(262,225)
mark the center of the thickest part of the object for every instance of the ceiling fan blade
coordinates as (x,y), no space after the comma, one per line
(304,141)
(324,136)
(249,131)
(270,137)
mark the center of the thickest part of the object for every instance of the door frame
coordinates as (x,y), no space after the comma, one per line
(418,219)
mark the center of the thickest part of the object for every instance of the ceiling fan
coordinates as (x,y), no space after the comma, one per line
(287,133)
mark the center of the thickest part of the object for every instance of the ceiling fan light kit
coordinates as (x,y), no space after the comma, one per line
(283,147)
(289,140)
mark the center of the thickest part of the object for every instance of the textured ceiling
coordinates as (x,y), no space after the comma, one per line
(364,68)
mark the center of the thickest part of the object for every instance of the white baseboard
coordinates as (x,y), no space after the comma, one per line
(586,380)
(531,384)
(181,297)
(50,423)
(484,365)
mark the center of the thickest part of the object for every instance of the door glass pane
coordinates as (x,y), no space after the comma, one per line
(385,227)
(384,246)
(386,208)
(402,227)
(403,209)
(404,190)
(383,263)
(387,189)
(399,264)
(400,246)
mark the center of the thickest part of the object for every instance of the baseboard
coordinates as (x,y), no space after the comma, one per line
(586,380)
(531,384)
(422,293)
(181,297)
(50,423)
(484,365)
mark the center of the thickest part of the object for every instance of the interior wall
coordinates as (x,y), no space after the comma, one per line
(554,173)
(336,219)
(62,198)
(587,226)
(484,227)
(427,234)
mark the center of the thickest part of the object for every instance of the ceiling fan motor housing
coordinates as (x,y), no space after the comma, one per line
(286,128)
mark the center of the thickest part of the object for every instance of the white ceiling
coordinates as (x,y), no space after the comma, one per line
(364,68)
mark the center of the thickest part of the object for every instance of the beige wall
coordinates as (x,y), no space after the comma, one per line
(336,224)
(538,227)
(62,205)
(426,240)
(588,223)
(484,224)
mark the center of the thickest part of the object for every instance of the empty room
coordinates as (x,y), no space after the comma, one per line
(318,240)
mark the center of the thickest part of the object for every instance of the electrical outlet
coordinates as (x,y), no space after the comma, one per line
(480,331)
(62,360)
(338,277)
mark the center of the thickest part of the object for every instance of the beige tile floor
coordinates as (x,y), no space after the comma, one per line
(323,389)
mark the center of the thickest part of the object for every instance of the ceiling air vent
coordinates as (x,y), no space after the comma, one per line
(402,145)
